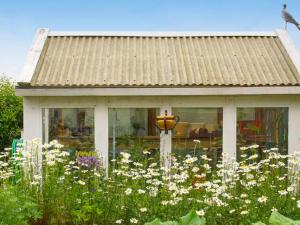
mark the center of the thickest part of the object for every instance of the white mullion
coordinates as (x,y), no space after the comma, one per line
(46,125)
(165,140)
(229,131)
(293,128)
(101,131)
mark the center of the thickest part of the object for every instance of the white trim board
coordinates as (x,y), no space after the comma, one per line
(290,48)
(291,90)
(34,54)
(158,34)
(162,101)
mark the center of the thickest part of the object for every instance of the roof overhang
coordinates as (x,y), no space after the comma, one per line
(42,34)
(290,90)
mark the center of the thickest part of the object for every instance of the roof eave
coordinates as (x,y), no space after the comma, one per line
(160,91)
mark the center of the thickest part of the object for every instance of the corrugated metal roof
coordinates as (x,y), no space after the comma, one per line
(100,61)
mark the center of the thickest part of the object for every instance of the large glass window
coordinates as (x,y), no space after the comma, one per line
(264,128)
(133,130)
(72,127)
(199,132)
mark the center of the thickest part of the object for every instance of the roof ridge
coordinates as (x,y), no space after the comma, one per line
(161,34)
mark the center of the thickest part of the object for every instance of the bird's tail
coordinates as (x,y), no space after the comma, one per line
(298,26)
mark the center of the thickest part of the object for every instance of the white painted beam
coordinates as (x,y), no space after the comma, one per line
(289,90)
(34,55)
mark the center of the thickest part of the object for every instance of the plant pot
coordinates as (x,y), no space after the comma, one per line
(167,124)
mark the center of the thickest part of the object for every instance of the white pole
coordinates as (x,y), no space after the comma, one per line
(114,136)
(165,141)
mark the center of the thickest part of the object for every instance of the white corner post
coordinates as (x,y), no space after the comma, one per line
(165,141)
(32,123)
(293,128)
(101,131)
(294,109)
(229,129)
(32,118)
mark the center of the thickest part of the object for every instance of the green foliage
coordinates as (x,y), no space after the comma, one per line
(158,222)
(11,113)
(190,219)
(258,223)
(17,208)
(277,219)
(136,192)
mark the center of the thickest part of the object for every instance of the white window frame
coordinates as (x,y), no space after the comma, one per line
(33,114)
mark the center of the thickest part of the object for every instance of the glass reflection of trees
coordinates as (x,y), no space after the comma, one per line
(72,127)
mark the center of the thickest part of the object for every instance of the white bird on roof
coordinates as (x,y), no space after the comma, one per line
(288,18)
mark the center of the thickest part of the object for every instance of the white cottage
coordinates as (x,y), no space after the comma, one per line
(102,91)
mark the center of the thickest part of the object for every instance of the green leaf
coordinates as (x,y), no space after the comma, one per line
(278,219)
(170,223)
(258,223)
(191,219)
(158,222)
(154,222)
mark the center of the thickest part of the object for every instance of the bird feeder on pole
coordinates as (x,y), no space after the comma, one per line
(166,123)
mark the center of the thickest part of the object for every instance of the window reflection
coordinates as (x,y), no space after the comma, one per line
(265,127)
(133,130)
(74,127)
(198,124)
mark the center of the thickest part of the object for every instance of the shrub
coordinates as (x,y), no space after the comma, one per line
(11,113)
(17,207)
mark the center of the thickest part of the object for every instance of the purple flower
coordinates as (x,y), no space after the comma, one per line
(88,161)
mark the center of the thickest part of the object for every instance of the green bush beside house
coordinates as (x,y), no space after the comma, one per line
(11,113)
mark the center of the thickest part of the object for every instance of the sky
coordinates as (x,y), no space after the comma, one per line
(19,20)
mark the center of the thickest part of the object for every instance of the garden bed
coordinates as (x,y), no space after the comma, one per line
(77,190)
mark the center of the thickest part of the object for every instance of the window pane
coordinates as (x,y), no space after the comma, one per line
(266,127)
(133,130)
(73,128)
(202,124)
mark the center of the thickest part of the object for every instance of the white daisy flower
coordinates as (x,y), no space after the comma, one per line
(134,220)
(81,182)
(200,212)
(128,191)
(143,209)
(262,199)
